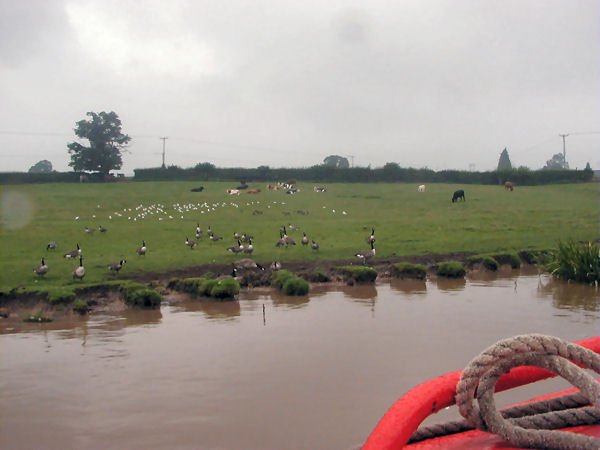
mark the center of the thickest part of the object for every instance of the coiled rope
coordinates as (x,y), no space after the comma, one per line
(528,425)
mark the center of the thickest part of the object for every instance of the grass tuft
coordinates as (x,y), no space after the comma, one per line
(451,269)
(408,270)
(357,274)
(577,262)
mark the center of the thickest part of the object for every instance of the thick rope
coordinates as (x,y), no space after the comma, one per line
(482,373)
(560,407)
(562,412)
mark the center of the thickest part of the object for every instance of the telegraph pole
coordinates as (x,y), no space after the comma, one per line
(563,136)
(164,138)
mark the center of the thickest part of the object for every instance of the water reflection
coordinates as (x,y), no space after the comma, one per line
(450,284)
(214,310)
(360,291)
(292,301)
(569,296)
(409,286)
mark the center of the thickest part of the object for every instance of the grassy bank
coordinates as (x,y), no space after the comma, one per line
(406,223)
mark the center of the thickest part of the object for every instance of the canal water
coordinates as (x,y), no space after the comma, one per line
(267,371)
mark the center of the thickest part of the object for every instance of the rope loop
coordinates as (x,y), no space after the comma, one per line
(482,373)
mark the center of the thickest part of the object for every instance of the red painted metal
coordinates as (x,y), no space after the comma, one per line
(404,417)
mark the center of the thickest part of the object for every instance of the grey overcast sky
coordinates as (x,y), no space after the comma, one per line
(444,84)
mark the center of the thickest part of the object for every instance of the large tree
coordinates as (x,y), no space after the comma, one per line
(504,161)
(43,166)
(103,131)
(336,161)
(557,162)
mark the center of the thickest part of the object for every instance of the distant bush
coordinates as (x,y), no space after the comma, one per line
(535,256)
(451,269)
(225,289)
(507,258)
(317,276)
(295,286)
(289,283)
(486,261)
(408,270)
(206,287)
(358,274)
(80,306)
(279,278)
(137,294)
(576,262)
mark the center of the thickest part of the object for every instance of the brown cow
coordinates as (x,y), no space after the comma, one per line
(508,186)
(253,191)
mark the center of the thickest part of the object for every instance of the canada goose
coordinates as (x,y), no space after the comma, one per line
(209,231)
(89,230)
(304,239)
(101,229)
(73,253)
(199,235)
(367,254)
(281,241)
(314,245)
(246,264)
(248,248)
(275,265)
(198,229)
(372,237)
(190,244)
(51,245)
(79,272)
(288,240)
(42,269)
(236,248)
(294,227)
(116,266)
(142,250)
(214,237)
(236,235)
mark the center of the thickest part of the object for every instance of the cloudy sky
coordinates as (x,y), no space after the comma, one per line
(444,84)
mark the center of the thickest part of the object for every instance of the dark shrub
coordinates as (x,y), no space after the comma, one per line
(225,289)
(451,269)
(318,276)
(295,286)
(358,274)
(289,283)
(80,306)
(408,270)
(279,278)
(137,294)
(507,258)
(486,261)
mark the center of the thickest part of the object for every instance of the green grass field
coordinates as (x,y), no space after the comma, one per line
(406,223)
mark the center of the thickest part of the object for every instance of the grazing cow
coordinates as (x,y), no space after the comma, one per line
(198,189)
(272,187)
(252,191)
(292,191)
(242,186)
(233,191)
(319,189)
(421,188)
(458,195)
(508,186)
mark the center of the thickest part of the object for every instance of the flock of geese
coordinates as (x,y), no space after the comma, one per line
(79,271)
(244,245)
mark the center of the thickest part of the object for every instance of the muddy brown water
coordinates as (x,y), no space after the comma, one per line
(313,372)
